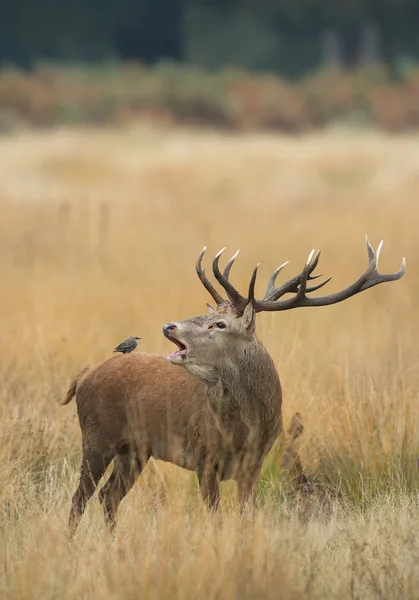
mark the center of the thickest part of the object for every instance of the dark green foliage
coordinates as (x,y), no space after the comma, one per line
(276,35)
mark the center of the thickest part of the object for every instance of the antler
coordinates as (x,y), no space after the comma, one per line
(205,281)
(296,285)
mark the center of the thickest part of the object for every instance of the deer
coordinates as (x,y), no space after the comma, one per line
(212,406)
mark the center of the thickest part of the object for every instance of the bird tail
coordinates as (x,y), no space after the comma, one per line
(73,386)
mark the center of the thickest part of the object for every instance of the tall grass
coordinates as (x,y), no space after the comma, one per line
(99,232)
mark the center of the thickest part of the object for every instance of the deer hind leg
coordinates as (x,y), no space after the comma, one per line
(291,461)
(127,469)
(92,468)
(209,488)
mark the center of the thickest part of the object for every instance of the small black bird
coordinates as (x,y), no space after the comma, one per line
(128,345)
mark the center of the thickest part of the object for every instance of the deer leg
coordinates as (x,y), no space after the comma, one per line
(246,488)
(92,468)
(127,469)
(208,485)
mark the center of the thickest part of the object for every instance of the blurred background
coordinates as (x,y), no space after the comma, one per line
(132,134)
(272,64)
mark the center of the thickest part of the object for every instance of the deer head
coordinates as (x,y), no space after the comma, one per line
(209,340)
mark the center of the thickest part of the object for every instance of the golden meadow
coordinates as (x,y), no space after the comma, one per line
(99,233)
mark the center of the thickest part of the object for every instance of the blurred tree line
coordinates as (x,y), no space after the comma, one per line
(286,36)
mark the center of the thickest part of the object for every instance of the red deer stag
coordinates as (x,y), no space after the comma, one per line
(218,416)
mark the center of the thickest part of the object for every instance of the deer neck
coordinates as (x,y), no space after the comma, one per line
(244,394)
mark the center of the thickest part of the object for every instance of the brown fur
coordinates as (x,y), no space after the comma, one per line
(218,416)
(220,422)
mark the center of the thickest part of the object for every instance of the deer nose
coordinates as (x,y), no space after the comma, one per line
(168,329)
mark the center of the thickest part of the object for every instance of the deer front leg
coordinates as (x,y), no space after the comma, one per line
(208,485)
(246,489)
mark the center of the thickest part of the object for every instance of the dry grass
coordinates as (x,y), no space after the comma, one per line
(98,236)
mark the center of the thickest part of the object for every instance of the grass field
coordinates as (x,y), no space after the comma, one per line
(99,233)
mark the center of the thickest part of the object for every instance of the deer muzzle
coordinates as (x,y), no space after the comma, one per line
(170,331)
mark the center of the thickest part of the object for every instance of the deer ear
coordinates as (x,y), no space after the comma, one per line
(248,318)
(210,309)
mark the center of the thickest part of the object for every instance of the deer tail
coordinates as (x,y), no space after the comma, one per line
(73,386)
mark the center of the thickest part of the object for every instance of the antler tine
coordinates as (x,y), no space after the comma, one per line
(205,281)
(377,277)
(315,261)
(251,295)
(371,251)
(292,285)
(312,264)
(308,267)
(369,278)
(271,283)
(235,297)
(227,269)
(313,288)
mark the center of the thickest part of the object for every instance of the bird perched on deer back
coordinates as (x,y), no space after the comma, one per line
(128,345)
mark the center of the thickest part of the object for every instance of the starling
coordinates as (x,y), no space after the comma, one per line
(128,345)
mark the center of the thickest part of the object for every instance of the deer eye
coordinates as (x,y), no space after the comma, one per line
(221,325)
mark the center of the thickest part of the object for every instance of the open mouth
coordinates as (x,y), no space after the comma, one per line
(182,349)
